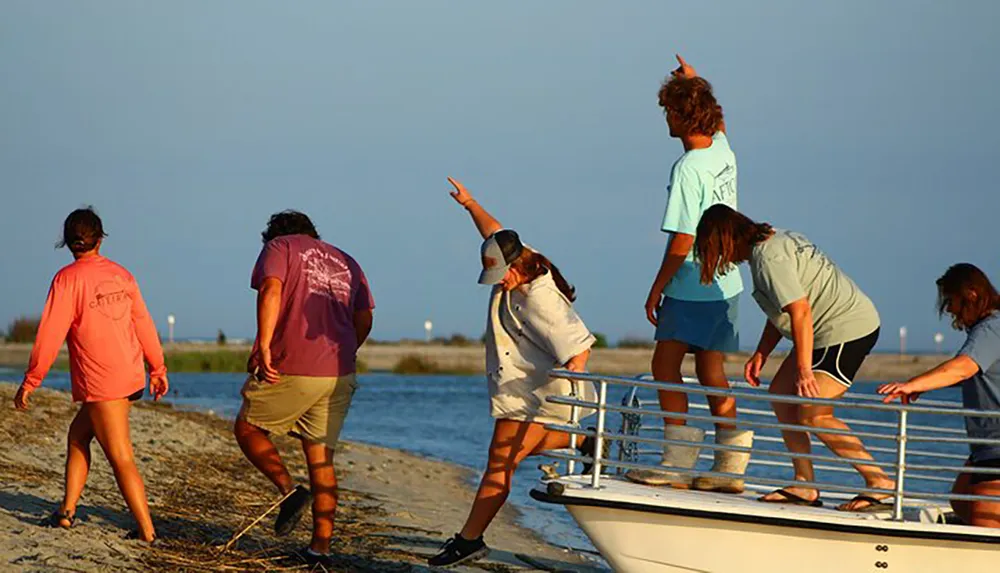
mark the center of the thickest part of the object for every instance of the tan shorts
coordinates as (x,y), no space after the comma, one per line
(309,407)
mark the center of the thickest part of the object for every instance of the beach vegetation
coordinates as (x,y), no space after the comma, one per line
(602,340)
(635,342)
(216,361)
(417,364)
(454,340)
(207,361)
(23,329)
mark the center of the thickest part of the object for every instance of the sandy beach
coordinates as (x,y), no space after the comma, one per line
(395,510)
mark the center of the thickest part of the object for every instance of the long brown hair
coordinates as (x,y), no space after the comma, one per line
(534,264)
(966,293)
(724,239)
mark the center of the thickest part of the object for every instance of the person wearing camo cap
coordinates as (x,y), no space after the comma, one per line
(531,329)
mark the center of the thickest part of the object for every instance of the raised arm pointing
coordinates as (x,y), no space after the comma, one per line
(684,69)
(485,222)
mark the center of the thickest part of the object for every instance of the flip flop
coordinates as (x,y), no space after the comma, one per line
(58,516)
(792,499)
(874,504)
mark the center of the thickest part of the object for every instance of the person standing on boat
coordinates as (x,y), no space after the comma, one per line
(314,310)
(833,326)
(965,292)
(95,306)
(531,329)
(689,316)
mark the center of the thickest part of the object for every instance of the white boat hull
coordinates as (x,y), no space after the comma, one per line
(702,532)
(639,542)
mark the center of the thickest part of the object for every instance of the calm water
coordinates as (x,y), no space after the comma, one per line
(447,418)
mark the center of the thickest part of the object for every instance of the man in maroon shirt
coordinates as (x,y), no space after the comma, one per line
(314,310)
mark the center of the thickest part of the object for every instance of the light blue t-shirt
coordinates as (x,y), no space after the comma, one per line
(700,178)
(982,391)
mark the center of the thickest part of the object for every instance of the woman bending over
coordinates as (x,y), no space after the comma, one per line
(831,323)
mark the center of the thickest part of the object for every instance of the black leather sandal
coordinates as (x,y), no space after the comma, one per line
(57,517)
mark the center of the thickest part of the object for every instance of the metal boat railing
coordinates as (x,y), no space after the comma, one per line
(630,440)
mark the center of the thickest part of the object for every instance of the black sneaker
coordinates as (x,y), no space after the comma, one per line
(459,550)
(588,446)
(312,559)
(291,510)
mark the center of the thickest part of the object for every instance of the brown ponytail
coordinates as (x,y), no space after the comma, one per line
(533,265)
(82,230)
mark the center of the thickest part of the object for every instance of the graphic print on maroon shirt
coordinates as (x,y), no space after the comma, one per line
(322,288)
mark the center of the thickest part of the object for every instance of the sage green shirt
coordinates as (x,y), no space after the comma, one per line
(788,267)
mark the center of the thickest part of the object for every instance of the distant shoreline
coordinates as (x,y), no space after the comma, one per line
(469,359)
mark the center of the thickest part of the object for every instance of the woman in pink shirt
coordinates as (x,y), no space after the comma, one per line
(94,305)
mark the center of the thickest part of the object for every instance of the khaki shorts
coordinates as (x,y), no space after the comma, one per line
(310,407)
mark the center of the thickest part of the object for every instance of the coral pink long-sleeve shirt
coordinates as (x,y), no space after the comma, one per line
(94,305)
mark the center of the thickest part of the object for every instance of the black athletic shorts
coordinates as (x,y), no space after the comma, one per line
(135,397)
(842,361)
(975,478)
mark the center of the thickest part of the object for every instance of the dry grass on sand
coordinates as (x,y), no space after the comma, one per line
(395,508)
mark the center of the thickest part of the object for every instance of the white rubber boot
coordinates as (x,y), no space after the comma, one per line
(674,456)
(728,462)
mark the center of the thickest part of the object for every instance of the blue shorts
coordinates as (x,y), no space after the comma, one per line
(702,325)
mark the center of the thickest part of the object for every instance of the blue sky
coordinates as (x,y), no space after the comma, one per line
(868,126)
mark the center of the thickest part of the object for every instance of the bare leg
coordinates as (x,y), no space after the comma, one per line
(963,509)
(666,367)
(512,442)
(110,423)
(978,513)
(323,482)
(712,373)
(551,441)
(962,485)
(81,434)
(260,450)
(796,442)
(821,417)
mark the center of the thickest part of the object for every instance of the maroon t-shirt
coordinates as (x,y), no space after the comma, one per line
(322,288)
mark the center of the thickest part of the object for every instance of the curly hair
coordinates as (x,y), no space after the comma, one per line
(965,293)
(693,104)
(288,223)
(723,239)
(82,230)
